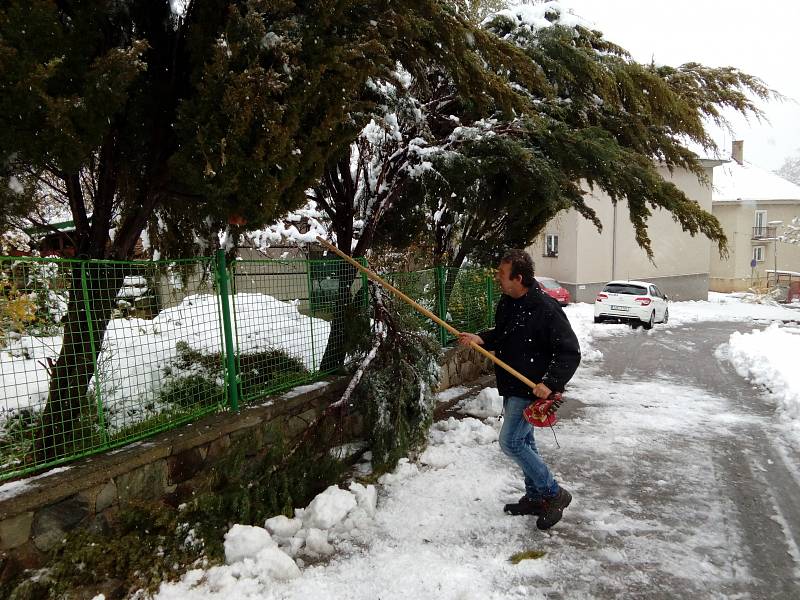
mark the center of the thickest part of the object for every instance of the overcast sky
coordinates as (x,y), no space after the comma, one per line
(757,36)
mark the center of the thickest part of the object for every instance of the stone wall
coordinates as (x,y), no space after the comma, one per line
(460,365)
(37,512)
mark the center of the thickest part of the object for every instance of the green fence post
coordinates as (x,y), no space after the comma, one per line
(441,303)
(101,419)
(311,313)
(489,300)
(231,376)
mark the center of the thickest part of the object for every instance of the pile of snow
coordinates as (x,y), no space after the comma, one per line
(768,358)
(727,307)
(488,403)
(342,530)
(257,558)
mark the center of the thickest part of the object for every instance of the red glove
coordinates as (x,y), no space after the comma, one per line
(542,413)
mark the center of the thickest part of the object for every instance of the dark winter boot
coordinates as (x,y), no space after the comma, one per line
(553,508)
(525,506)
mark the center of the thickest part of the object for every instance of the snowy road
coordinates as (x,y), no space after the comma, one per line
(747,474)
(685,486)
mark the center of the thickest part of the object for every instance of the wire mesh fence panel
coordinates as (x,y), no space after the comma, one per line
(94,354)
(464,298)
(98,353)
(470,299)
(34,295)
(291,320)
(424,287)
(161,360)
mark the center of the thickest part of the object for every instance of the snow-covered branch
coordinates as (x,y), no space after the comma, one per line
(362,367)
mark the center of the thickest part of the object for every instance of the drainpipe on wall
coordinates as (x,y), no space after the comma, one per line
(614,245)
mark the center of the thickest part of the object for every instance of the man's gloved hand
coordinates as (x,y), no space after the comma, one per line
(542,413)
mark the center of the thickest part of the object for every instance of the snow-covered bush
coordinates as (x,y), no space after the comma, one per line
(15,241)
(196,379)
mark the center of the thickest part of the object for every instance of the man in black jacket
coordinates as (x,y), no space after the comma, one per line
(532,335)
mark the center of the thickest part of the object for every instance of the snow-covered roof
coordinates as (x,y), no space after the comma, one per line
(746,181)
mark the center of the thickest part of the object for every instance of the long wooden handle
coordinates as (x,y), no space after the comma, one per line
(376,278)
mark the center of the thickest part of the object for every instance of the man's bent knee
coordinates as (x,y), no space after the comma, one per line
(511,446)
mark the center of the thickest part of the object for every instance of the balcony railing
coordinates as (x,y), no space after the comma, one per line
(764,233)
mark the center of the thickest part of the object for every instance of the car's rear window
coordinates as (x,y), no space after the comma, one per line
(550,284)
(624,288)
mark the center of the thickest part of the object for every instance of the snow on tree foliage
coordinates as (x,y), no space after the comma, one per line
(791,234)
(790,169)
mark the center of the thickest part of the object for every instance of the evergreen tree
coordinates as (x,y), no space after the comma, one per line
(192,115)
(598,118)
(607,121)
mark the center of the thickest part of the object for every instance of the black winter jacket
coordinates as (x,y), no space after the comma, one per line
(532,334)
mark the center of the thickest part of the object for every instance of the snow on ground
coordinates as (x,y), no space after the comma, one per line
(136,353)
(434,528)
(439,530)
(637,526)
(769,359)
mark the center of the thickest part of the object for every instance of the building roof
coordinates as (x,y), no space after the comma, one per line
(746,181)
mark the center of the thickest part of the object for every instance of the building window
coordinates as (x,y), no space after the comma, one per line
(760,229)
(551,245)
(758,253)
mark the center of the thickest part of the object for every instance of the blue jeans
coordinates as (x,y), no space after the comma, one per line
(516,441)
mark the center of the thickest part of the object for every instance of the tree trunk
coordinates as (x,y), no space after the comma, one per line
(68,422)
(343,306)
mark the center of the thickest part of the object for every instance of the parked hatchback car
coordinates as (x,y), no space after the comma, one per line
(554,289)
(633,301)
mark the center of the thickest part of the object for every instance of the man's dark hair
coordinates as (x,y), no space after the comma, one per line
(521,264)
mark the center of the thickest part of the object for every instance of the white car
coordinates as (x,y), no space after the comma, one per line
(633,301)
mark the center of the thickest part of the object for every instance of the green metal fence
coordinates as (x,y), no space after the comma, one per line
(96,354)
(465,298)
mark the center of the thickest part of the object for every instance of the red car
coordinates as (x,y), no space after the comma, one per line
(553,289)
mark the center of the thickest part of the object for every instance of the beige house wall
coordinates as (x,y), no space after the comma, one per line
(564,266)
(738,219)
(588,258)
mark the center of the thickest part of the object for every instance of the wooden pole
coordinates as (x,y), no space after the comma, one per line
(377,279)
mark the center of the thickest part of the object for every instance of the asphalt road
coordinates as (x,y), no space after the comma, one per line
(749,474)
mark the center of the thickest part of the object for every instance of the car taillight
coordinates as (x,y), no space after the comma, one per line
(643,301)
(601,297)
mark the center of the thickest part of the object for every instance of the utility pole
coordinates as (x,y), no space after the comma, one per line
(775,224)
